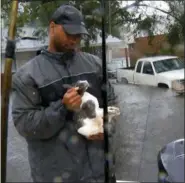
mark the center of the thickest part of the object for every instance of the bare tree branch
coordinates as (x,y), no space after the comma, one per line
(135,4)
(166,12)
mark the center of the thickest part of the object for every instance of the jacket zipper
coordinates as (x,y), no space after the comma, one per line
(66,65)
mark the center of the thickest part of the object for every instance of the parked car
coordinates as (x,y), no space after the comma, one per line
(113,66)
(160,71)
(111,74)
(171,162)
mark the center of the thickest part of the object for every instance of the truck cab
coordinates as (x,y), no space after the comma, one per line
(159,71)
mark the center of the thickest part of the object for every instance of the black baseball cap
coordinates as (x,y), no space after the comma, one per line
(71,20)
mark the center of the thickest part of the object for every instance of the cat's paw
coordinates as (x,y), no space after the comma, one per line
(88,131)
(113,111)
(91,127)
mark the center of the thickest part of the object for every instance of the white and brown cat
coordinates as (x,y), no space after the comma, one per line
(90,115)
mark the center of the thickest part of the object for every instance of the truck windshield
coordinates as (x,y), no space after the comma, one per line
(168,65)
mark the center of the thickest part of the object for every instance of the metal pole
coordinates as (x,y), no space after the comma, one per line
(126,56)
(104,94)
(7,79)
(110,23)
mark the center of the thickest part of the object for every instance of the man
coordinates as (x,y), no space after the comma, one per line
(43,109)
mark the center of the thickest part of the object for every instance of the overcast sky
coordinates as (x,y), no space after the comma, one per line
(149,10)
(160,28)
(160,4)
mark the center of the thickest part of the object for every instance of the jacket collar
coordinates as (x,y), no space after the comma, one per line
(60,57)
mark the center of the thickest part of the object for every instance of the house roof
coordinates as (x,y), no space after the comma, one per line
(28,44)
(110,41)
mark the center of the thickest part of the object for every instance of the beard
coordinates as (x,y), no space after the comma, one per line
(65,47)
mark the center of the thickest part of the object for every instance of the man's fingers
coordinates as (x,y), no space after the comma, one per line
(75,100)
(76,105)
(71,94)
(76,88)
(99,136)
(72,99)
(71,90)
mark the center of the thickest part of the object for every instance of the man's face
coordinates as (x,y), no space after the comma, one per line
(63,41)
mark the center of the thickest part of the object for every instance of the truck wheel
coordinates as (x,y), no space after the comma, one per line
(124,81)
(162,85)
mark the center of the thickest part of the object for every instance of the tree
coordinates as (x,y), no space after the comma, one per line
(38,13)
(173,18)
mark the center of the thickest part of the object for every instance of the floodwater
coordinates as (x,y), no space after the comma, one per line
(151,117)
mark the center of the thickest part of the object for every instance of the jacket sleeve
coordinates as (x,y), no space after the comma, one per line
(31,120)
(111,96)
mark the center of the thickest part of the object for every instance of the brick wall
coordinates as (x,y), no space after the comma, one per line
(143,46)
(118,53)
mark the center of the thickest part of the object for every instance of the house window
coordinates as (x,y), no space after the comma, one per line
(131,46)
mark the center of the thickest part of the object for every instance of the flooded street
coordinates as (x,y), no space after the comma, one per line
(150,118)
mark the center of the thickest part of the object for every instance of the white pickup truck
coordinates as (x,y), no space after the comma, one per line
(160,71)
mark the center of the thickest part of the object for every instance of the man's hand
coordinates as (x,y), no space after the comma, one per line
(99,136)
(72,100)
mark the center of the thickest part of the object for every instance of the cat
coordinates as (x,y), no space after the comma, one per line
(89,118)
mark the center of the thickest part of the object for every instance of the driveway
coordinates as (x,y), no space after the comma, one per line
(150,118)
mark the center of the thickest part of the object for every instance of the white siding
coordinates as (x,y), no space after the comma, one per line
(21,59)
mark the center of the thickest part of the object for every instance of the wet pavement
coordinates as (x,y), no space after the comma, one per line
(150,118)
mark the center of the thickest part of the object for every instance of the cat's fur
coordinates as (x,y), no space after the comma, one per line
(90,116)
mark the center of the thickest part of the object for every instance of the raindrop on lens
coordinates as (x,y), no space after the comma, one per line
(63,136)
(65,175)
(74,139)
(57,179)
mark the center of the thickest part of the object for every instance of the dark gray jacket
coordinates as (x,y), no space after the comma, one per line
(56,151)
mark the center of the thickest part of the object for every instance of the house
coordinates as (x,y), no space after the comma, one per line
(27,48)
(148,46)
(116,50)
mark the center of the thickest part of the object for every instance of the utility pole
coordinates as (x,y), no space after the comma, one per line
(126,56)
(110,31)
(6,86)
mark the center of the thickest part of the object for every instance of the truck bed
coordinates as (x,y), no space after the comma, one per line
(128,68)
(125,73)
